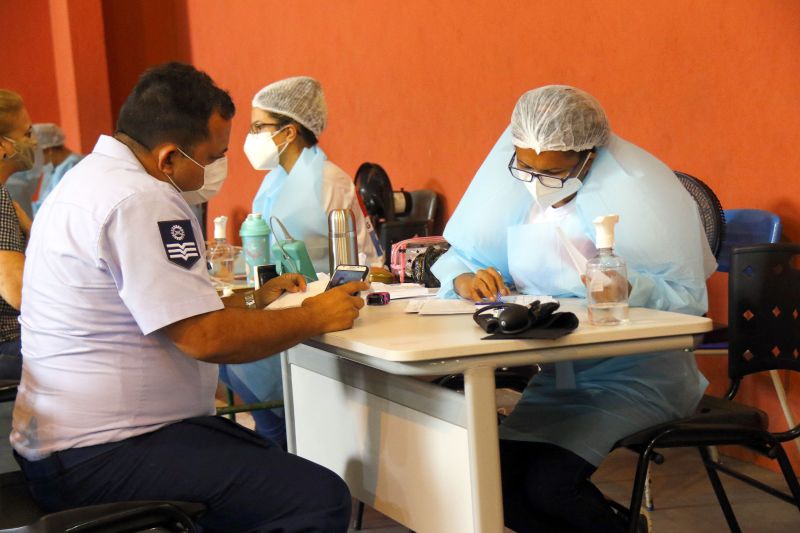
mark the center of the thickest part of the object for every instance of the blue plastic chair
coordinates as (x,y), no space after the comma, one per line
(744,227)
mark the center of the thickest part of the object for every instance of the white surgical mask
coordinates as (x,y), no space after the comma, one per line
(261,150)
(548,196)
(28,155)
(214,175)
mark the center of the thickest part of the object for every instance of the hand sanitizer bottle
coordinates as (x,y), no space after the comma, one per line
(220,253)
(606,278)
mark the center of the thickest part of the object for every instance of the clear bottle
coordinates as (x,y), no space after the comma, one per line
(606,278)
(220,253)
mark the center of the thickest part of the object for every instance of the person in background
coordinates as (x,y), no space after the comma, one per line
(122,331)
(301,188)
(302,185)
(17,154)
(23,184)
(555,170)
(58,159)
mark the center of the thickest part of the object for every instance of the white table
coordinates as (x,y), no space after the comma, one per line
(426,456)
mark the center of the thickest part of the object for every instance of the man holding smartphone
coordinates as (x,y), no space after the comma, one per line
(121,327)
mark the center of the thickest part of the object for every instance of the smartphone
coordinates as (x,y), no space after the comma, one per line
(264,273)
(346,273)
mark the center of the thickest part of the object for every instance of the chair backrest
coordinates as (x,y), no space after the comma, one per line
(745,227)
(400,229)
(424,203)
(763,309)
(709,207)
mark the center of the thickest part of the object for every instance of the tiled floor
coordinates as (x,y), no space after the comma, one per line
(683,497)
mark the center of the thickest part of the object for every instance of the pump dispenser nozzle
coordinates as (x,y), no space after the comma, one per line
(604,226)
(220,227)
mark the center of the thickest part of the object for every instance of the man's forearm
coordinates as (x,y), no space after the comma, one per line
(234,335)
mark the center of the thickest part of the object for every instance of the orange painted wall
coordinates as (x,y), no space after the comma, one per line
(28,59)
(425,87)
(138,35)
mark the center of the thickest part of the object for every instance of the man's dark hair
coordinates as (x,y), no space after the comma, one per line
(173,102)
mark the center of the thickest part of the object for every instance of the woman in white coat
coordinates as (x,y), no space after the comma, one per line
(550,174)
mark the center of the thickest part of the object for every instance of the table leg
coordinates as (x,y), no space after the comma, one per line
(288,403)
(484,450)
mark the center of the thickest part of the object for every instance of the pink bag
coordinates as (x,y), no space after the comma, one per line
(405,252)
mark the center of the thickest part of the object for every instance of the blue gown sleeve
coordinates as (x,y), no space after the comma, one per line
(477,231)
(660,234)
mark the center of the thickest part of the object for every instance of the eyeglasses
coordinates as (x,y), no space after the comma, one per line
(259,127)
(548,180)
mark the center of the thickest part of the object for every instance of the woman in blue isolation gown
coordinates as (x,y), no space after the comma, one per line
(559,166)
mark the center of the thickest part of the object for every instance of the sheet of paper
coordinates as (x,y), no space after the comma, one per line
(294,299)
(398,291)
(447,307)
(435,306)
(527,299)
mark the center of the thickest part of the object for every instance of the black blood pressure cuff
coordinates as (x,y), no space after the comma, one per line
(534,321)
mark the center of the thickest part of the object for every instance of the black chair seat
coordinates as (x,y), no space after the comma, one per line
(21,515)
(717,418)
(8,389)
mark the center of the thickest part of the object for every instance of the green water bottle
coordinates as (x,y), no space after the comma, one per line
(255,243)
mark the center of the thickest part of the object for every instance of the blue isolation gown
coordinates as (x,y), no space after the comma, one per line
(22,187)
(53,178)
(586,406)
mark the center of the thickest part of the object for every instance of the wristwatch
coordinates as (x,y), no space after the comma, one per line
(250,300)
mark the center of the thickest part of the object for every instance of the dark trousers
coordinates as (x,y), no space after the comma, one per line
(248,483)
(547,489)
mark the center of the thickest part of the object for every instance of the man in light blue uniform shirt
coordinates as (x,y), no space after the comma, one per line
(121,330)
(549,176)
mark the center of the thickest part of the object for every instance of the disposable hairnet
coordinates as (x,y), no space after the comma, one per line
(48,135)
(299,98)
(558,118)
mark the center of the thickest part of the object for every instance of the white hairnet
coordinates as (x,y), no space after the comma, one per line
(299,98)
(558,118)
(48,135)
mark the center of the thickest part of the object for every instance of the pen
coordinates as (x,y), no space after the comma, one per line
(498,299)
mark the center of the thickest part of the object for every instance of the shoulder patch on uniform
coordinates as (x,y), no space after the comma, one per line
(179,242)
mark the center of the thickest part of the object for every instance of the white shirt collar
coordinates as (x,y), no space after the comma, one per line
(111,147)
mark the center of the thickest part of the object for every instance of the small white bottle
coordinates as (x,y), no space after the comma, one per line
(220,253)
(606,278)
